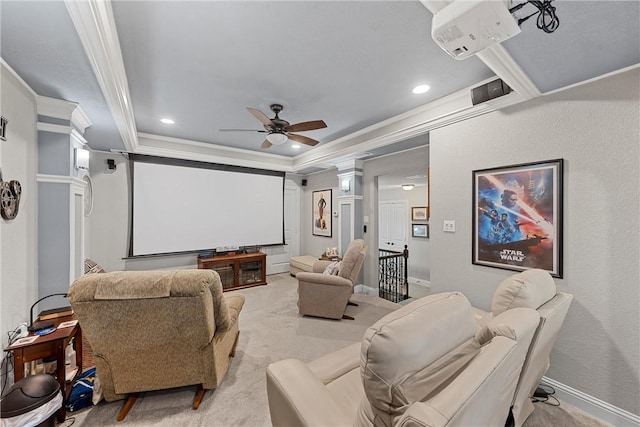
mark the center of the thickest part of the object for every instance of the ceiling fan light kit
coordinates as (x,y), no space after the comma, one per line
(277,138)
(280,131)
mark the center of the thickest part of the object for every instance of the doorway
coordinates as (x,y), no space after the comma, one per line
(395,223)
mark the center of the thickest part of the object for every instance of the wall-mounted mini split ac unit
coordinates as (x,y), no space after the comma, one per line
(465,27)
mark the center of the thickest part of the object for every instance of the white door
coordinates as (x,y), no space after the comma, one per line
(393,225)
(278,256)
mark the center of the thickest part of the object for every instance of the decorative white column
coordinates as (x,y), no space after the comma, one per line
(350,200)
(61,192)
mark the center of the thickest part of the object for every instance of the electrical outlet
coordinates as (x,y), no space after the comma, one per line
(449,226)
(22,330)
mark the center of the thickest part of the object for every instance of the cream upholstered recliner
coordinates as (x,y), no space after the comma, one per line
(327,295)
(423,364)
(153,330)
(532,289)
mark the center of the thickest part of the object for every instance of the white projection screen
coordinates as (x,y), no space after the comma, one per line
(187,206)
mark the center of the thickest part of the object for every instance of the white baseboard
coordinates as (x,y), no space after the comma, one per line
(592,405)
(419,282)
(362,289)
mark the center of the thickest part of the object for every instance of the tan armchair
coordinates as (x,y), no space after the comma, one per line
(327,295)
(156,330)
(532,289)
(421,365)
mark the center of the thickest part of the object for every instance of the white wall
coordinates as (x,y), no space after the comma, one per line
(595,128)
(18,237)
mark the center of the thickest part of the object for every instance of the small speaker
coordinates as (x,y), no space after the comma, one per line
(112,164)
(491,90)
(304,182)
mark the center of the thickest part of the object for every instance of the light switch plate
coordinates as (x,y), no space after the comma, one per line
(449,226)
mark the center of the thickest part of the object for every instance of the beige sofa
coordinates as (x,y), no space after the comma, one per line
(532,289)
(155,330)
(424,364)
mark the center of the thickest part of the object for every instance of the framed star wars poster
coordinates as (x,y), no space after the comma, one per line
(517,217)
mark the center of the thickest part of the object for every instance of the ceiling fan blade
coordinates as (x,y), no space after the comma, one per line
(312,125)
(266,144)
(260,116)
(302,139)
(242,130)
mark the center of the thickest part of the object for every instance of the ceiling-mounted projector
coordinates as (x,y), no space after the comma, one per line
(465,27)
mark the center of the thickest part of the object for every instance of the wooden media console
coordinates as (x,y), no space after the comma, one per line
(238,271)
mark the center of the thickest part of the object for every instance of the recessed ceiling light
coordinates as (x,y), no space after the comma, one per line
(167,121)
(296,146)
(421,89)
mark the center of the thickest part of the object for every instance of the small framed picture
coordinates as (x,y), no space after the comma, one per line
(419,213)
(420,230)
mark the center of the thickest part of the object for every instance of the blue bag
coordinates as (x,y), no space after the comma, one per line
(82,391)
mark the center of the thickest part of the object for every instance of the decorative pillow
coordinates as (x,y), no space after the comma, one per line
(333,268)
(90,267)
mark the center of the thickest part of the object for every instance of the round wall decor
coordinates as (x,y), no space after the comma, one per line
(88,195)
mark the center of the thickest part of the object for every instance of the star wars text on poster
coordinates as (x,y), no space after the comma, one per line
(511,255)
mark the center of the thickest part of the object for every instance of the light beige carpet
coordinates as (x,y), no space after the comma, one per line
(271,330)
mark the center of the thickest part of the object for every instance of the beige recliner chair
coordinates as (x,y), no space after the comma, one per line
(327,295)
(422,364)
(532,289)
(153,330)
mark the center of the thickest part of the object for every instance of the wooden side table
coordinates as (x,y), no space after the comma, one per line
(53,344)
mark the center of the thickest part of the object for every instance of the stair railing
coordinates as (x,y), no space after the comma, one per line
(393,284)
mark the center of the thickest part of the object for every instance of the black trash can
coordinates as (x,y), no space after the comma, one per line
(32,401)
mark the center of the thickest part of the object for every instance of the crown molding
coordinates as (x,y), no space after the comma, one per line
(349,166)
(146,138)
(62,109)
(95,25)
(11,71)
(79,137)
(593,79)
(53,128)
(56,108)
(442,112)
(80,120)
(163,146)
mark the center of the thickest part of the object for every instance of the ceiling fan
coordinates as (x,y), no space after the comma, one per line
(279,131)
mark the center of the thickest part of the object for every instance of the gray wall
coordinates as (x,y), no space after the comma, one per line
(310,244)
(18,237)
(595,128)
(53,242)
